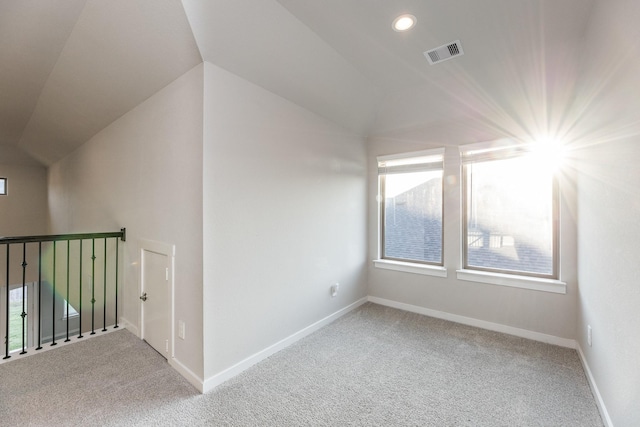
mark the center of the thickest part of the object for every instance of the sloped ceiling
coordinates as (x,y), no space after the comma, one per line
(263,42)
(32,35)
(342,60)
(68,68)
(518,69)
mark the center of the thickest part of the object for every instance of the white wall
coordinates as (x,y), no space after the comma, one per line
(533,311)
(23,212)
(284,197)
(24,209)
(609,207)
(144,172)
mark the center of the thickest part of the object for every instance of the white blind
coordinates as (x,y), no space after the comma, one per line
(496,150)
(421,161)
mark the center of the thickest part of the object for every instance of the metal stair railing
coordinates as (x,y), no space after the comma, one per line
(63,280)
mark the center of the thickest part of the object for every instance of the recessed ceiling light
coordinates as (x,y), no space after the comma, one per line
(404,23)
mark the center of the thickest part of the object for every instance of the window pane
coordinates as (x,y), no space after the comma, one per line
(510,216)
(3,185)
(15,318)
(413,216)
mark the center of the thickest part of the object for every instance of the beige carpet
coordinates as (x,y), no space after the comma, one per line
(374,366)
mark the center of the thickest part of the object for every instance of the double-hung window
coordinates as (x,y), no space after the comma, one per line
(411,209)
(510,208)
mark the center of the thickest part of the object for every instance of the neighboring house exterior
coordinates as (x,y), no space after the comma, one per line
(413,228)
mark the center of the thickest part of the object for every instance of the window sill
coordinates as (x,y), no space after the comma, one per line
(408,267)
(524,282)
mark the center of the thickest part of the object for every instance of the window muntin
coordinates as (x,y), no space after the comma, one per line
(510,212)
(3,186)
(411,207)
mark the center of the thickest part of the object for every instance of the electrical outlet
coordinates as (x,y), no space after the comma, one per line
(334,289)
(181,329)
(589,335)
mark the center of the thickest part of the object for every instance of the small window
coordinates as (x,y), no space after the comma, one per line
(69,311)
(410,194)
(3,186)
(510,210)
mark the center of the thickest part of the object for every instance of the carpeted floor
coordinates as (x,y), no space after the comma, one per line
(374,366)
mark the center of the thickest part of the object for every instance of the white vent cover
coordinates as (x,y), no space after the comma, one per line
(444,52)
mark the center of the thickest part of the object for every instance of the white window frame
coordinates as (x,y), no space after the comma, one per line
(432,156)
(504,149)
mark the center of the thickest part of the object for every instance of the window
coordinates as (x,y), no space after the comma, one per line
(33,325)
(14,315)
(510,208)
(69,311)
(3,186)
(410,194)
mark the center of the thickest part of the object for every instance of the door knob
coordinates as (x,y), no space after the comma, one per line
(143,297)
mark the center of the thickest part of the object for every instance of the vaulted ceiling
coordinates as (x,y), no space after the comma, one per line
(68,68)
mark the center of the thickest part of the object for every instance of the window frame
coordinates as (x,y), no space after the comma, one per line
(404,264)
(504,150)
(32,319)
(4,187)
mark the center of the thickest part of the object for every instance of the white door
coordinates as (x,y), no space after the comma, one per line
(155,301)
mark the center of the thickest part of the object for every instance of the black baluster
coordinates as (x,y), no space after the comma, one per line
(24,290)
(93,284)
(80,298)
(6,338)
(68,256)
(117,245)
(39,295)
(53,299)
(104,290)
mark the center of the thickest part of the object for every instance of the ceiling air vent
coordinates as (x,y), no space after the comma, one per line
(444,52)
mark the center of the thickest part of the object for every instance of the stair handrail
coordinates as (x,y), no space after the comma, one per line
(24,240)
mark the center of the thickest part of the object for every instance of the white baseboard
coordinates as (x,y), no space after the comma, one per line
(60,342)
(214,381)
(124,323)
(604,414)
(61,336)
(187,373)
(496,327)
(195,380)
